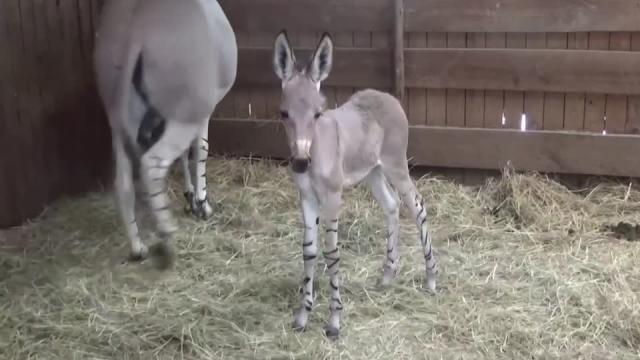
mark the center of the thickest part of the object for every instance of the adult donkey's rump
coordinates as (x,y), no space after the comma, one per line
(162,66)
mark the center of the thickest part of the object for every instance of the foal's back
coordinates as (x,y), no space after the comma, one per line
(377,129)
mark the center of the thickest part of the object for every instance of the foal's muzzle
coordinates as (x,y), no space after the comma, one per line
(299,165)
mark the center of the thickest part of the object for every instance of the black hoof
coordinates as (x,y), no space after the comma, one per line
(332,333)
(136,258)
(163,255)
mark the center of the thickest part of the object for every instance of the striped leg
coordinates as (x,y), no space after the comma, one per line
(188,185)
(155,165)
(388,200)
(126,197)
(201,207)
(330,214)
(415,202)
(309,207)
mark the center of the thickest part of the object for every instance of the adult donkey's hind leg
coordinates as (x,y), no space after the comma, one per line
(126,198)
(155,165)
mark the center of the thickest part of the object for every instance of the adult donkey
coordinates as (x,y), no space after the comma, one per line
(162,66)
(365,139)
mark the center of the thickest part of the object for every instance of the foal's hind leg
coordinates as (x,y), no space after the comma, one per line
(126,197)
(155,165)
(414,201)
(388,200)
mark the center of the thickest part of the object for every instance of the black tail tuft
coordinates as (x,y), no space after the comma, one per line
(153,124)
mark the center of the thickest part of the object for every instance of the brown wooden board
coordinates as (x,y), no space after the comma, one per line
(534,100)
(309,15)
(436,98)
(574,103)
(595,104)
(435,15)
(514,100)
(522,15)
(616,105)
(614,72)
(633,121)
(493,98)
(417,98)
(455,97)
(546,151)
(554,101)
(474,101)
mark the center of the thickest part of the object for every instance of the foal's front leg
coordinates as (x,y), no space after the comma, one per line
(330,214)
(309,206)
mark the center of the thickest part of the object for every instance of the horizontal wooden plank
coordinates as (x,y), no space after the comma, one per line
(435,15)
(552,70)
(351,67)
(522,15)
(544,151)
(614,72)
(308,15)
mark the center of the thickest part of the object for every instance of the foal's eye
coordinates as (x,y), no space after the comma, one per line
(284,114)
(317,115)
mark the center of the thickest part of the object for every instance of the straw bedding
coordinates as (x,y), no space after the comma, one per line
(528,269)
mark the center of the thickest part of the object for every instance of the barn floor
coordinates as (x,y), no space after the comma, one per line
(527,270)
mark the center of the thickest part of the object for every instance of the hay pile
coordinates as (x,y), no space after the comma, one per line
(527,271)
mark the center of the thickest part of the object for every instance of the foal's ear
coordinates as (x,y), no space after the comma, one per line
(283,58)
(322,60)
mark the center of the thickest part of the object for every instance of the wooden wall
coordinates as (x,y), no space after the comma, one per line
(472,69)
(54,139)
(568,65)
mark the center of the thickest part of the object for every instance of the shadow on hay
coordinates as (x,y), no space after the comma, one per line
(72,235)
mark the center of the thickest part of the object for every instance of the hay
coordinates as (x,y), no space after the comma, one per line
(526,272)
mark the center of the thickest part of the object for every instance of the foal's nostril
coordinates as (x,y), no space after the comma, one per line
(299,165)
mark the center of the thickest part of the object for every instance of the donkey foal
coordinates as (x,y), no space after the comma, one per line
(364,140)
(162,66)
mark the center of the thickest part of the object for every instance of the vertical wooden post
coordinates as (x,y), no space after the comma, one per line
(398,49)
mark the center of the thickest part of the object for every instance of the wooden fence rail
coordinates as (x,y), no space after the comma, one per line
(583,71)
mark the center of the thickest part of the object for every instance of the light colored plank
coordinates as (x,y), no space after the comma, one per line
(546,151)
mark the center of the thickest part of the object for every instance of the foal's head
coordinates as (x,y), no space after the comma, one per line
(301,103)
